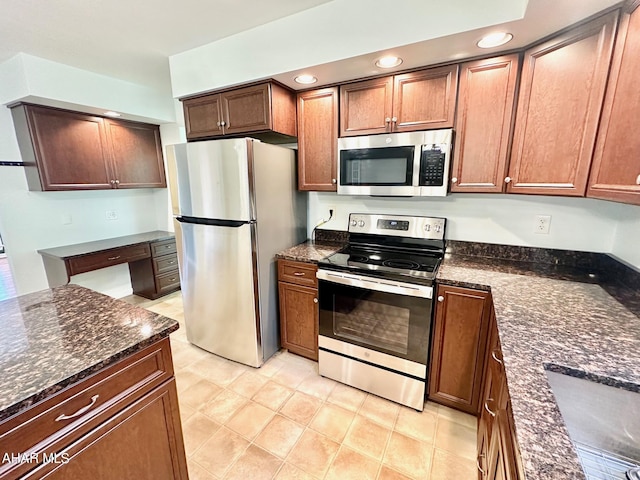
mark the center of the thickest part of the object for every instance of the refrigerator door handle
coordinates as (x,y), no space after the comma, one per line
(214,222)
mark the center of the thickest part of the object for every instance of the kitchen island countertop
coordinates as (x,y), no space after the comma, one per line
(56,337)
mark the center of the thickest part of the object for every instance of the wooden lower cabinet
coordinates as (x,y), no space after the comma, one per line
(458,347)
(298,308)
(158,274)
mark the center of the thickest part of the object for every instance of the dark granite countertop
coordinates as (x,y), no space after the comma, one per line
(310,251)
(54,338)
(568,318)
(68,251)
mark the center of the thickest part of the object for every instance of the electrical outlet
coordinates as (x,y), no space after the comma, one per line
(111,215)
(542,224)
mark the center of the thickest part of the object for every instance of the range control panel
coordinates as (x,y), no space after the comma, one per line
(398,225)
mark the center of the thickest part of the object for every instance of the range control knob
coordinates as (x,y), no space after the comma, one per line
(438,228)
(427,227)
(361,223)
(353,223)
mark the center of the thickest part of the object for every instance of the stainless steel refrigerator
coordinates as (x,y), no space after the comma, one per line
(238,206)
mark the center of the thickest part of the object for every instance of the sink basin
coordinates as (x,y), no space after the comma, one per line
(603,423)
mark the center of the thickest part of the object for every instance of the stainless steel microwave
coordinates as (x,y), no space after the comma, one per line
(395,164)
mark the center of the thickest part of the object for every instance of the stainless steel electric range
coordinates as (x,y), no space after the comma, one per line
(375,299)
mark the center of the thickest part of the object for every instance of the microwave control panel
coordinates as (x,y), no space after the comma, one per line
(432,165)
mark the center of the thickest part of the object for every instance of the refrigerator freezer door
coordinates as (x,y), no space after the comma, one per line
(213,179)
(218,291)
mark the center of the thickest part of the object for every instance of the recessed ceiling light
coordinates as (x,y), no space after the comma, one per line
(494,40)
(389,61)
(306,79)
(112,114)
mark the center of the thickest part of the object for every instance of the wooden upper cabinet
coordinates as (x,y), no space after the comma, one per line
(413,101)
(561,93)
(615,173)
(318,139)
(366,107)
(136,154)
(66,150)
(425,99)
(483,124)
(262,108)
(458,347)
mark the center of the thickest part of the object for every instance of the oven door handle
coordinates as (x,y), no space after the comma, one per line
(379,285)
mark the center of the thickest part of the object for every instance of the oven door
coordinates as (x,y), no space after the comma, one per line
(389,317)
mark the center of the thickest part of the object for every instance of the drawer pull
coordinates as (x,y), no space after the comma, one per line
(167,246)
(172,262)
(486,407)
(173,279)
(114,258)
(478,464)
(495,357)
(82,411)
(298,274)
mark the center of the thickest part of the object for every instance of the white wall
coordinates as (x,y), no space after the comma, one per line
(577,223)
(35,220)
(626,243)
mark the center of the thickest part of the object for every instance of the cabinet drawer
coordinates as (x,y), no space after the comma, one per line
(107,258)
(167,281)
(79,408)
(165,263)
(299,273)
(163,248)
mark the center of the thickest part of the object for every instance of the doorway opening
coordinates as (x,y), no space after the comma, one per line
(7,287)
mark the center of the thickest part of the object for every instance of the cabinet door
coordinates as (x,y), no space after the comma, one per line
(424,100)
(299,319)
(318,139)
(458,347)
(136,154)
(70,149)
(142,441)
(202,117)
(561,93)
(246,109)
(366,107)
(615,173)
(486,97)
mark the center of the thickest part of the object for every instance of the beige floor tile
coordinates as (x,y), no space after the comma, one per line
(409,456)
(254,464)
(271,366)
(196,472)
(351,465)
(291,375)
(224,373)
(380,410)
(387,473)
(332,421)
(458,417)
(196,431)
(272,395)
(250,420)
(347,397)
(279,436)
(419,425)
(289,472)
(304,363)
(456,438)
(222,408)
(431,407)
(186,412)
(317,386)
(248,384)
(313,453)
(446,465)
(187,354)
(185,378)
(301,407)
(199,394)
(367,437)
(218,453)
(208,365)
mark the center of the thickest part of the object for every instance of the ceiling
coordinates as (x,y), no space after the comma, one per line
(132,40)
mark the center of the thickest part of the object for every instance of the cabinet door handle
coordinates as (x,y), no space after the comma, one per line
(172,262)
(117,182)
(478,464)
(298,274)
(219,124)
(223,123)
(315,300)
(112,182)
(114,258)
(638,180)
(387,120)
(173,279)
(454,180)
(507,180)
(495,357)
(82,411)
(334,181)
(440,298)
(394,119)
(486,407)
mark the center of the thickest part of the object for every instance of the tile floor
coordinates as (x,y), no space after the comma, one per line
(284,421)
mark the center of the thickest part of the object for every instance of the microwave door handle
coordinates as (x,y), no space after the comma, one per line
(378,285)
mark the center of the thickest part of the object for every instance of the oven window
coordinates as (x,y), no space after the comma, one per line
(373,323)
(377,166)
(398,325)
